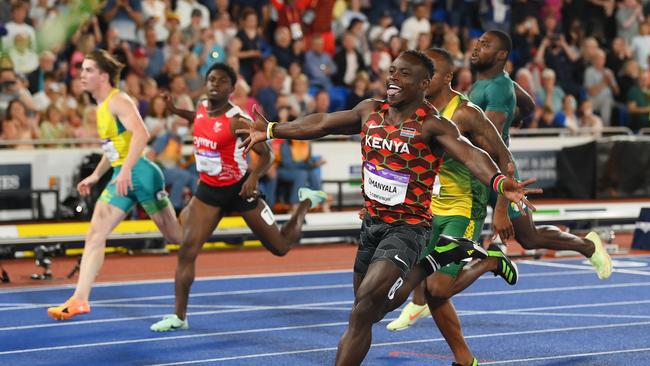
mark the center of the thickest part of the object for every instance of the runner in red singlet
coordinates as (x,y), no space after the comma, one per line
(402,140)
(226,184)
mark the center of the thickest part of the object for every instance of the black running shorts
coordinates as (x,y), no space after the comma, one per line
(401,244)
(226,197)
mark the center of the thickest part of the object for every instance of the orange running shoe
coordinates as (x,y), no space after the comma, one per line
(69,309)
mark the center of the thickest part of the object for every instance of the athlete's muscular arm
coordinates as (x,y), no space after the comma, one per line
(484,135)
(525,105)
(447,135)
(442,132)
(122,107)
(183,113)
(310,127)
(260,167)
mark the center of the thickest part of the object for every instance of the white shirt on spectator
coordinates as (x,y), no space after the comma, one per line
(411,29)
(156,9)
(184,10)
(24,62)
(15,28)
(641,50)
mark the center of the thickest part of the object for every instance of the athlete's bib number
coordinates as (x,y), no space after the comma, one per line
(110,151)
(208,162)
(384,185)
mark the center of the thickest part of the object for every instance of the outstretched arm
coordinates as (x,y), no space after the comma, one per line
(309,127)
(183,113)
(445,133)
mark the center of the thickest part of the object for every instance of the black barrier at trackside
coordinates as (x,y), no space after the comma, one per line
(603,169)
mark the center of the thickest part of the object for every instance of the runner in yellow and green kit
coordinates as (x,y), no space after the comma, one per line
(135,179)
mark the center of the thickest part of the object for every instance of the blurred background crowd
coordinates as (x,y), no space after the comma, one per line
(585,62)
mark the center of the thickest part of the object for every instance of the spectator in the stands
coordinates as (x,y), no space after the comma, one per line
(174,45)
(11,87)
(282,47)
(416,24)
(36,78)
(17,125)
(384,29)
(555,53)
(156,57)
(50,94)
(124,16)
(601,86)
(359,90)
(262,78)
(153,12)
(319,65)
(567,117)
(641,45)
(588,119)
(185,8)
(349,61)
(300,99)
(166,151)
(157,119)
(550,94)
(251,44)
(24,57)
(193,79)
(19,25)
(192,32)
(638,104)
(53,125)
(268,96)
(321,102)
(617,57)
(628,17)
(548,120)
(209,51)
(464,80)
(224,29)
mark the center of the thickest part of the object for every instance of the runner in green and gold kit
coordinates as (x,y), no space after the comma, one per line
(135,179)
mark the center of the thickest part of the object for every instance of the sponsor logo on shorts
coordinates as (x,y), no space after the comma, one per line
(161,195)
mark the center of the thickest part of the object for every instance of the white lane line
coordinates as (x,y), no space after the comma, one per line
(578,266)
(158,316)
(570,315)
(200,294)
(272,307)
(575,355)
(489,335)
(171,280)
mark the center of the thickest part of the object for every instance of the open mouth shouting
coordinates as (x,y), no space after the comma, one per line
(393,91)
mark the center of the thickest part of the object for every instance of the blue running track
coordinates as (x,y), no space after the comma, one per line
(558,314)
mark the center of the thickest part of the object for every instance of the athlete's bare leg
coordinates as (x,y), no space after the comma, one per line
(438,294)
(105,218)
(549,237)
(369,305)
(277,241)
(199,221)
(168,224)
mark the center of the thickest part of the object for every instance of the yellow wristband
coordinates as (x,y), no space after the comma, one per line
(269,130)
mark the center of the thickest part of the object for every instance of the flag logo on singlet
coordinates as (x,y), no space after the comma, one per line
(408,132)
(216,127)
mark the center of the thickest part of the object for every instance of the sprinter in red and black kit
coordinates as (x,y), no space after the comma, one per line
(226,184)
(402,140)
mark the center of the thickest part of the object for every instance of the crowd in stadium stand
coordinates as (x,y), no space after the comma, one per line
(585,62)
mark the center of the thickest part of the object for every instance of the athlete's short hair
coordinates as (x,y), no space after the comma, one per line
(504,39)
(107,63)
(424,60)
(445,54)
(225,68)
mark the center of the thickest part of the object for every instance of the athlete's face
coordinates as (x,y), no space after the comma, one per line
(441,76)
(407,80)
(486,52)
(219,85)
(91,76)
